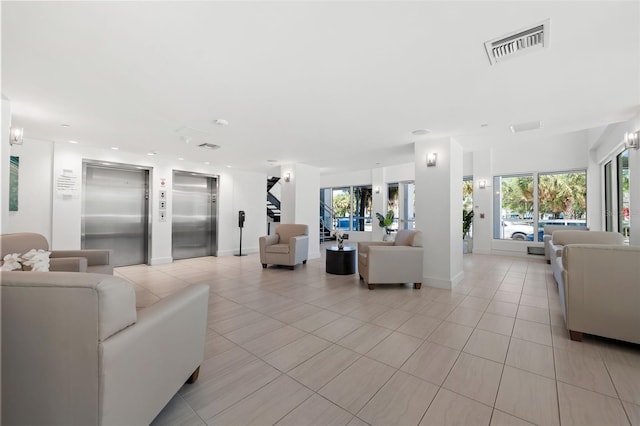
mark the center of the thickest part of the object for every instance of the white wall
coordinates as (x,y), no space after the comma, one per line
(5,152)
(307,206)
(238,190)
(34,188)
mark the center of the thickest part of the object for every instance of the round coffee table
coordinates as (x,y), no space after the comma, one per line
(341,261)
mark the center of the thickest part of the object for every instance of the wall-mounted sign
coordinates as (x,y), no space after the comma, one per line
(67,183)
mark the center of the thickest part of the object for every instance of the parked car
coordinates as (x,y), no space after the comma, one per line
(516,231)
(542,224)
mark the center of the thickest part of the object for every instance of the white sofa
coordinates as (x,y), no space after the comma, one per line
(548,231)
(76,352)
(392,262)
(288,246)
(600,290)
(86,260)
(562,238)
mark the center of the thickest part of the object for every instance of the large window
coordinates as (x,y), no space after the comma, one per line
(562,199)
(608,197)
(529,202)
(401,198)
(515,201)
(341,204)
(467,198)
(622,163)
(362,198)
(347,208)
(616,194)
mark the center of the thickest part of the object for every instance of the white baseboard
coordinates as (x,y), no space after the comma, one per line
(445,284)
(161,260)
(245,250)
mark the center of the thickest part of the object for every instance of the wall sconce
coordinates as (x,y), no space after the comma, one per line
(16,135)
(431,159)
(482,184)
(287,177)
(632,140)
(377,189)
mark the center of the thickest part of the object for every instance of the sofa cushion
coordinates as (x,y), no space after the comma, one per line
(562,238)
(286,231)
(115,297)
(407,237)
(22,242)
(278,248)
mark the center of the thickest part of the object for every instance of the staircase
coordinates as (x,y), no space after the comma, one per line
(326,222)
(273,204)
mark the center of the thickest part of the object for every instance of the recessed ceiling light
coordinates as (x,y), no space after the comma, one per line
(65,125)
(73,141)
(484,125)
(180,159)
(152,153)
(229,166)
(115,148)
(420,132)
(220,122)
(207,163)
(523,127)
(272,161)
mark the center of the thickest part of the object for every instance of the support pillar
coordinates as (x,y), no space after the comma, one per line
(439,210)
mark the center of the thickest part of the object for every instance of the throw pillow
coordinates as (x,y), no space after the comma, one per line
(37,260)
(11,262)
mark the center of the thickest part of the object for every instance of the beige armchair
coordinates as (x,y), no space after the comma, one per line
(600,290)
(288,246)
(95,261)
(387,262)
(76,352)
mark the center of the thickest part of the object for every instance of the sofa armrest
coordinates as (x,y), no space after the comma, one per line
(363,246)
(601,290)
(299,248)
(546,239)
(68,264)
(268,240)
(94,257)
(153,358)
(395,264)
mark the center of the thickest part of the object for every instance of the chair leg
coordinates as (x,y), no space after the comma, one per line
(304,262)
(264,266)
(417,286)
(372,286)
(194,376)
(575,335)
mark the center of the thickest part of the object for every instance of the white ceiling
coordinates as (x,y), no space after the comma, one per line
(330,84)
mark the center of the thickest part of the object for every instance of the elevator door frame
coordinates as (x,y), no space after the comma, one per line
(147,209)
(214,212)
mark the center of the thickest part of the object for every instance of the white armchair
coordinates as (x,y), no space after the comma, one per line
(288,246)
(386,262)
(76,352)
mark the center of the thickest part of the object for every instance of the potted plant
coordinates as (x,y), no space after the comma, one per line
(386,221)
(467,220)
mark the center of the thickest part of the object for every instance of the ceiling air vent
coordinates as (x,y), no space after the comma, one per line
(518,42)
(208,145)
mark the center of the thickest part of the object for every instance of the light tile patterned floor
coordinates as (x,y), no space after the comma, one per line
(304,347)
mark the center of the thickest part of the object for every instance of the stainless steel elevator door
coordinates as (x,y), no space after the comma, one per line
(115,212)
(194,215)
